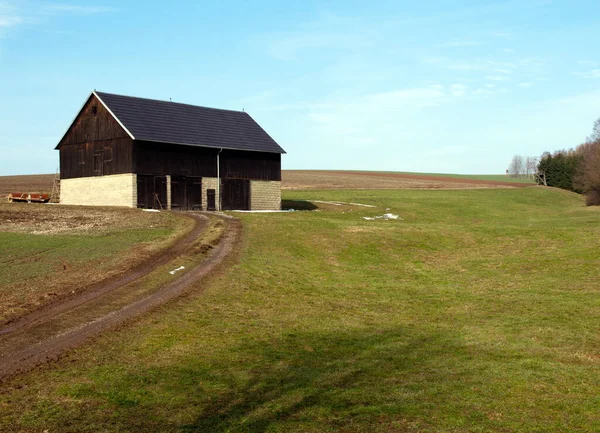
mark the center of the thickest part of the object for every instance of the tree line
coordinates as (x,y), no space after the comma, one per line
(575,169)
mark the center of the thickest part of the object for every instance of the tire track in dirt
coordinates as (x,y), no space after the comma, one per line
(50,345)
(102,287)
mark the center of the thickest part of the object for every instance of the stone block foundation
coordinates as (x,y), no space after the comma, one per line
(265,195)
(112,190)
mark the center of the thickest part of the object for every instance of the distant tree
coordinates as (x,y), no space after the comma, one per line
(531,163)
(517,166)
(558,169)
(595,132)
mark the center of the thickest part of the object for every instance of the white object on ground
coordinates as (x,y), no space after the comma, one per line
(360,204)
(339,203)
(387,216)
(176,270)
(327,202)
(150,210)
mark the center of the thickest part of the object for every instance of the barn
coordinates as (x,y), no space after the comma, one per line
(137,152)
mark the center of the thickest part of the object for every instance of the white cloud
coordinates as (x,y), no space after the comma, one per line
(458,89)
(326,32)
(460,44)
(289,47)
(503,35)
(417,97)
(9,21)
(593,73)
(525,85)
(9,16)
(12,16)
(591,63)
(496,78)
(448,150)
(72,9)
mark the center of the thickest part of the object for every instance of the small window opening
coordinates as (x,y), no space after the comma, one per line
(94,111)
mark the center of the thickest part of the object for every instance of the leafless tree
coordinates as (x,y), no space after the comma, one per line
(588,173)
(531,163)
(517,166)
(595,132)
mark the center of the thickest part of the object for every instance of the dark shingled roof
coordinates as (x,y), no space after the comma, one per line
(171,122)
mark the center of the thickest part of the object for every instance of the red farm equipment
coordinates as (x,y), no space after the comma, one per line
(27,197)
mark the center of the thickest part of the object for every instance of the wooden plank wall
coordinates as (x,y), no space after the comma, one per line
(174,160)
(250,165)
(95,145)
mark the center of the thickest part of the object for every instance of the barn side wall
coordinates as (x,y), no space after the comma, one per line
(113,190)
(265,195)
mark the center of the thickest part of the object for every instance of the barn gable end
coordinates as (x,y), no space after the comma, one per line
(95,144)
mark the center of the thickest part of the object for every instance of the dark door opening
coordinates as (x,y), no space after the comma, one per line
(211,202)
(151,191)
(235,194)
(186,193)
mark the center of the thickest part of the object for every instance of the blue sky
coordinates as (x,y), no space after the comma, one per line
(435,86)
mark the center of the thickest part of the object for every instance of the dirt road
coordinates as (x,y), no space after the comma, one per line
(45,334)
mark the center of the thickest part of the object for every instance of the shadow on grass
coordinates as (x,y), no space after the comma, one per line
(320,382)
(297,205)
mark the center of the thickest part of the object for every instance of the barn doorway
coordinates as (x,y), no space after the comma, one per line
(186,193)
(151,191)
(235,194)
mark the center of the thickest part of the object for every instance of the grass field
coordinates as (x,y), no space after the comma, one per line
(478,311)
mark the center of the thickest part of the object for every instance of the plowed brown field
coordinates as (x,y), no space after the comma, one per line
(325,179)
(26,183)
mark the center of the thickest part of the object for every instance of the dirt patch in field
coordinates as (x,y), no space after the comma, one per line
(323,179)
(48,219)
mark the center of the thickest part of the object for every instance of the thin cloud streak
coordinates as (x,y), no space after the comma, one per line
(71,9)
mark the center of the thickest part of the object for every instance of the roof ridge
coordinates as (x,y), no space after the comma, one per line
(170,102)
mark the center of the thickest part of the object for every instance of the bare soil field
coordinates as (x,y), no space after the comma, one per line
(324,179)
(26,183)
(51,252)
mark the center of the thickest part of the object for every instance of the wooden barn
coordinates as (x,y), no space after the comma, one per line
(136,152)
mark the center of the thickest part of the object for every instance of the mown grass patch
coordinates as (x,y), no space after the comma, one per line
(478,311)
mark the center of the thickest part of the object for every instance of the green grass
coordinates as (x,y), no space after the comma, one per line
(478,312)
